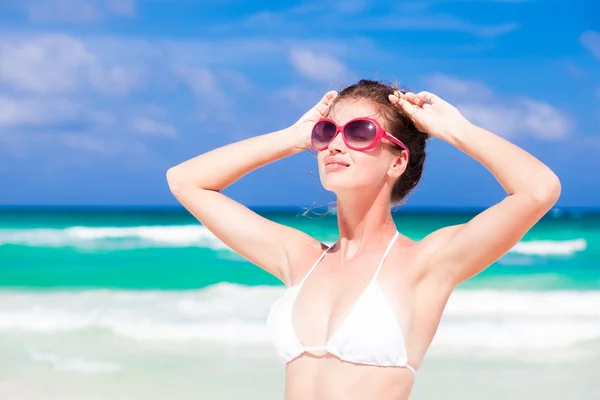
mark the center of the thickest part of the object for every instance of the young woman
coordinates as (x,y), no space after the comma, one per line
(357,318)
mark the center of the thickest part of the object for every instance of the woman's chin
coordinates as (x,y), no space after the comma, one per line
(335,183)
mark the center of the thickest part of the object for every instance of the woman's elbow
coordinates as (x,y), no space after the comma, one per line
(547,191)
(175,181)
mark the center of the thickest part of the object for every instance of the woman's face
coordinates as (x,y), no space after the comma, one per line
(363,168)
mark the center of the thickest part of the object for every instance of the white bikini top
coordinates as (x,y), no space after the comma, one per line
(369,334)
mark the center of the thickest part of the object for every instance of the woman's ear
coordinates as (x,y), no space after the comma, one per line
(400,164)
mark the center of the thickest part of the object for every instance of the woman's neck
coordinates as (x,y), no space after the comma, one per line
(363,223)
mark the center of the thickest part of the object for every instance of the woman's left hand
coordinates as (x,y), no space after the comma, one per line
(429,113)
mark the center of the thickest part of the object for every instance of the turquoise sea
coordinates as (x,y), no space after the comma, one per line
(148,304)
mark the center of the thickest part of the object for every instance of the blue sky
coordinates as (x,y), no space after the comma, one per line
(99,98)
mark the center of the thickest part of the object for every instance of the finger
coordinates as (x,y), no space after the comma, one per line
(396,96)
(407,107)
(410,96)
(329,96)
(425,103)
(428,96)
(413,98)
(394,99)
(322,108)
(403,104)
(323,105)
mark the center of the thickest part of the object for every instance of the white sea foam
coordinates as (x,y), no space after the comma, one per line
(113,237)
(199,236)
(550,247)
(235,315)
(73,364)
(509,303)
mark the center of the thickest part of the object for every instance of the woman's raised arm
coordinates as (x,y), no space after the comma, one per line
(460,252)
(197,183)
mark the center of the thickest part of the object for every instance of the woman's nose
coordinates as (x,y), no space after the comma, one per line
(337,143)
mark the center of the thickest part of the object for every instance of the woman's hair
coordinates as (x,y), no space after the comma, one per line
(398,124)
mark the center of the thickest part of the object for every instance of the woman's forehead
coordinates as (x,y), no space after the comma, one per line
(348,109)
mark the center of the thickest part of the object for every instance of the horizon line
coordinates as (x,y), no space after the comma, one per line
(81,207)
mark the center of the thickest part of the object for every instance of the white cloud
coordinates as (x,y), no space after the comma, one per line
(150,126)
(78,11)
(436,22)
(498,119)
(318,67)
(100,145)
(23,145)
(300,96)
(522,117)
(543,120)
(200,80)
(393,17)
(43,64)
(52,80)
(56,63)
(573,69)
(462,88)
(591,41)
(31,123)
(236,79)
(508,117)
(121,7)
(215,103)
(61,63)
(153,111)
(115,80)
(37,111)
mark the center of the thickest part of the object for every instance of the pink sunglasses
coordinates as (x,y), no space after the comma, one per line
(359,134)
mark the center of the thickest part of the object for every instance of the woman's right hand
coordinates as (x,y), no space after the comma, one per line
(302,129)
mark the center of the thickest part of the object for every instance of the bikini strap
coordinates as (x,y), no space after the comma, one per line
(315,264)
(389,247)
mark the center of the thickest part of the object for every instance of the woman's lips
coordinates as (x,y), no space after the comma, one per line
(335,166)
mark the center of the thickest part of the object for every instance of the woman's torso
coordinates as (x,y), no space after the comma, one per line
(324,297)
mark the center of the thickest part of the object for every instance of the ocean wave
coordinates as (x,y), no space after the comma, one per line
(73,364)
(236,315)
(550,247)
(113,237)
(200,236)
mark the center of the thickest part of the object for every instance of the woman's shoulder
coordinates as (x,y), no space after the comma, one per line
(303,255)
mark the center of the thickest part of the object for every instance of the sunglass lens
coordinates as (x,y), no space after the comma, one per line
(360,134)
(323,133)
